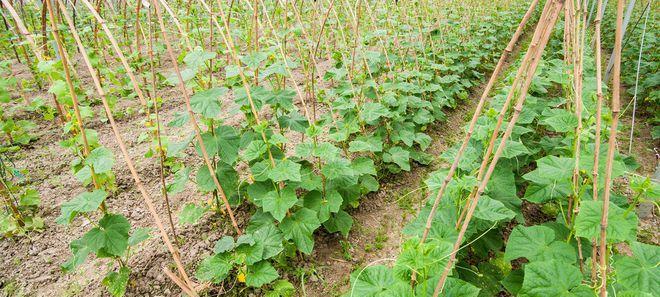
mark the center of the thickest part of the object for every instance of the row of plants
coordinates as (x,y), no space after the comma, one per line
(375,125)
(528,237)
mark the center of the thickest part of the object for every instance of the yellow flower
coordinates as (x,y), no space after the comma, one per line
(241,277)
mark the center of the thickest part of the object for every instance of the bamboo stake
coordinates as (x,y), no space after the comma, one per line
(118,51)
(183,33)
(72,90)
(599,110)
(479,109)
(534,53)
(616,93)
(129,162)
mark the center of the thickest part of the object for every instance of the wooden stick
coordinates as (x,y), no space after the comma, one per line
(599,110)
(129,162)
(534,53)
(480,106)
(616,93)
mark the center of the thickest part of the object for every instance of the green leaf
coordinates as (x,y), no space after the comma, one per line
(339,222)
(537,243)
(363,165)
(224,244)
(559,120)
(337,168)
(260,274)
(30,198)
(621,226)
(323,206)
(372,111)
(492,210)
(214,268)
(83,203)
(374,281)
(271,239)
(300,227)
(111,237)
(254,59)
(191,213)
(180,180)
(116,282)
(197,58)
(279,202)
(453,288)
(139,235)
(101,159)
(285,170)
(207,102)
(640,272)
(551,179)
(281,288)
(553,278)
(514,149)
(366,144)
(399,156)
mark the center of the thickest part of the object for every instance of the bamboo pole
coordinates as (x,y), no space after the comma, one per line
(479,109)
(129,162)
(599,110)
(616,93)
(533,56)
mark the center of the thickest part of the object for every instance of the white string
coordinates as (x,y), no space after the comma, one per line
(639,62)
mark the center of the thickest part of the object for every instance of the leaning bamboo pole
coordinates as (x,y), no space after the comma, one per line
(198,133)
(479,109)
(72,90)
(599,110)
(616,93)
(129,162)
(531,61)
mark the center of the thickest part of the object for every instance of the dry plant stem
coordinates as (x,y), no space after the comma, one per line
(118,51)
(599,110)
(534,53)
(72,90)
(198,134)
(129,163)
(475,116)
(616,93)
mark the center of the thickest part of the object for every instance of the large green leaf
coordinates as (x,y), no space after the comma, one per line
(214,268)
(621,226)
(110,237)
(537,243)
(196,58)
(339,222)
(492,210)
(260,274)
(101,159)
(270,238)
(116,282)
(550,180)
(279,202)
(640,272)
(285,170)
(372,111)
(324,206)
(191,213)
(300,227)
(559,120)
(377,281)
(453,288)
(207,102)
(553,278)
(399,156)
(84,202)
